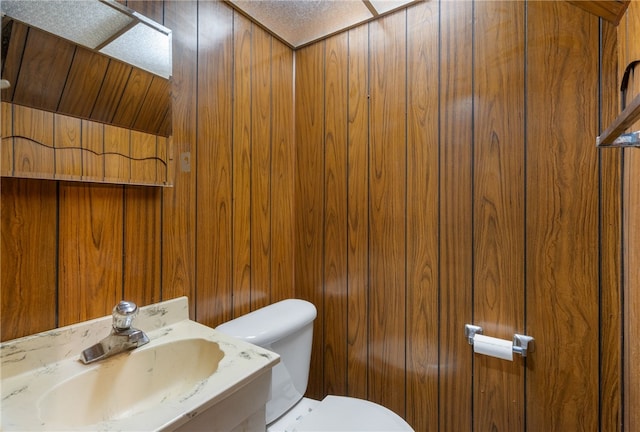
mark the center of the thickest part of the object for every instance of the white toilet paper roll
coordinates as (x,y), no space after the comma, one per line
(493,347)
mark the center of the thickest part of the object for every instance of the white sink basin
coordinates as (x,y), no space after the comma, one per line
(187,377)
(131,383)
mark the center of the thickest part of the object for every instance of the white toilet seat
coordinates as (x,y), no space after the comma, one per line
(346,414)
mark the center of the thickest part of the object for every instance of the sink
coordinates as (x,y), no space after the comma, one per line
(188,377)
(131,383)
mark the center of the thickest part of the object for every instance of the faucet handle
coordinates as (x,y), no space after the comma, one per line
(123,315)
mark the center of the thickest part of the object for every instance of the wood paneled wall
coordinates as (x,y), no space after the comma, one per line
(630,51)
(223,235)
(447,174)
(443,173)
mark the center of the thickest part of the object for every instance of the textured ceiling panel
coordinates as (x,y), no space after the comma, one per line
(299,22)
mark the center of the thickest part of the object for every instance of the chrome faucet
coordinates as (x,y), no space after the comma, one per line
(123,337)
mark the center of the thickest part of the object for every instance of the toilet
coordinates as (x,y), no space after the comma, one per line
(286,328)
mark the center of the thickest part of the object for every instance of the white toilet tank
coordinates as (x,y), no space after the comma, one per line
(285,328)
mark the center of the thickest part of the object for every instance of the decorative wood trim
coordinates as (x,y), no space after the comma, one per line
(39,144)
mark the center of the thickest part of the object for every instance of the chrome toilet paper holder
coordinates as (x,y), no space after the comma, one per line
(522,344)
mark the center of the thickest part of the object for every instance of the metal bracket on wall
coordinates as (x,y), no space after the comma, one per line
(614,135)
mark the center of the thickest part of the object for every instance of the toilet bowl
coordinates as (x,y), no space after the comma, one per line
(286,328)
(339,413)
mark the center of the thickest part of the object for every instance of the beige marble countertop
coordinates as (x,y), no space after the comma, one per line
(34,365)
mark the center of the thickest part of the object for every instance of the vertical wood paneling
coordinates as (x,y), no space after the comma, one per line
(422,216)
(28,295)
(357,212)
(562,276)
(610,228)
(213,164)
(456,262)
(178,202)
(387,212)
(335,205)
(631,300)
(309,114)
(142,246)
(631,231)
(398,235)
(261,103)
(6,143)
(498,173)
(142,243)
(158,256)
(282,174)
(242,163)
(90,251)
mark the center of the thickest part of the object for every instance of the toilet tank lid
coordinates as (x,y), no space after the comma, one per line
(270,323)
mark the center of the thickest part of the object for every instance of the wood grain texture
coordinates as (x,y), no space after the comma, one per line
(143,151)
(156,105)
(93,142)
(52,74)
(261,104)
(335,205)
(28,296)
(160,258)
(83,84)
(422,217)
(562,209)
(458,175)
(631,299)
(11,64)
(242,164)
(610,10)
(178,202)
(6,140)
(142,245)
(387,213)
(34,142)
(113,85)
(132,98)
(43,72)
(213,162)
(55,146)
(117,147)
(155,112)
(357,213)
(90,251)
(282,174)
(309,130)
(630,51)
(499,218)
(610,161)
(67,141)
(456,229)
